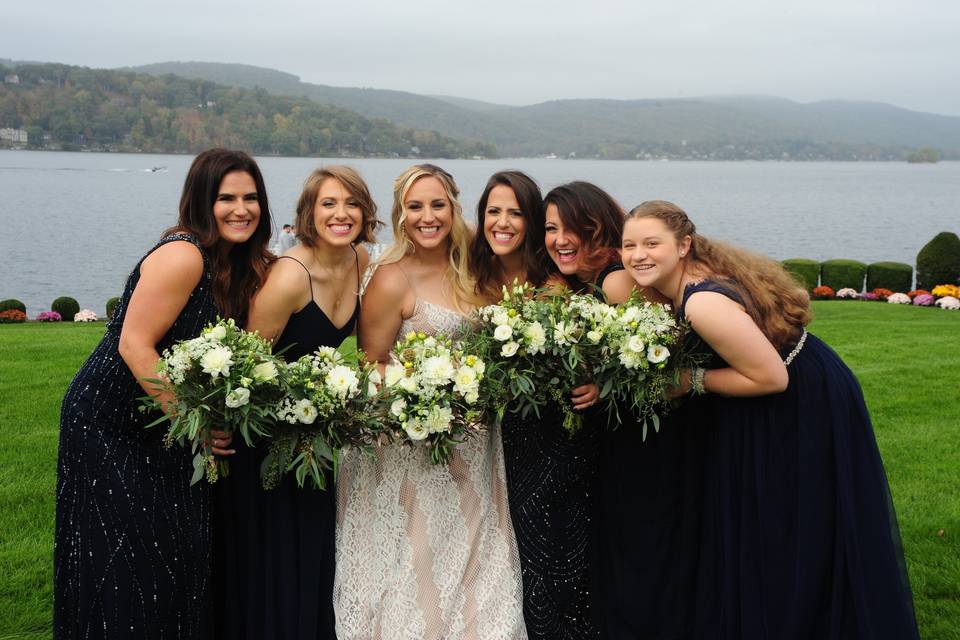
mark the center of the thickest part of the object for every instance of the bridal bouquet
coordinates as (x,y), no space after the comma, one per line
(328,403)
(437,392)
(226,378)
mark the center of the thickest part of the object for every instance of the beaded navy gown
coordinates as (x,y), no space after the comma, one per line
(799,539)
(274,559)
(550,480)
(131,548)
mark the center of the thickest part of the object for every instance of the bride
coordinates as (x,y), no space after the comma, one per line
(424,550)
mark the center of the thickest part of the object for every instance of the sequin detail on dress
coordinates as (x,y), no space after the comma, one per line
(131,550)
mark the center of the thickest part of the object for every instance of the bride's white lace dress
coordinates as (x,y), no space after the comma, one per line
(424,550)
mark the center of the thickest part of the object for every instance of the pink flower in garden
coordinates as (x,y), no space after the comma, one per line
(870,296)
(49,316)
(924,300)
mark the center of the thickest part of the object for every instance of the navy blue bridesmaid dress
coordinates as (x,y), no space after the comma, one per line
(132,543)
(274,556)
(799,538)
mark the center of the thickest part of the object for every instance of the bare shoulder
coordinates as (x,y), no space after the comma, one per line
(388,284)
(288,278)
(618,286)
(710,306)
(179,260)
(363,257)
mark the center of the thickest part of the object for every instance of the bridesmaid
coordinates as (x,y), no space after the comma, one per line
(799,537)
(551,474)
(132,551)
(275,549)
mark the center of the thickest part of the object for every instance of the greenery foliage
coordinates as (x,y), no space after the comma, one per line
(111,306)
(895,276)
(66,306)
(840,274)
(939,261)
(807,271)
(12,303)
(70,107)
(925,155)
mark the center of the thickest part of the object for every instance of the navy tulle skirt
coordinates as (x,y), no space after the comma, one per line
(799,538)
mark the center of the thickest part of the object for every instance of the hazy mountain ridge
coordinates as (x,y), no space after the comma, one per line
(708,127)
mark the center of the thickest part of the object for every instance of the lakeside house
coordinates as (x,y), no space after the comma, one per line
(14,135)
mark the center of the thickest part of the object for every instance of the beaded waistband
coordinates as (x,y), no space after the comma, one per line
(796,350)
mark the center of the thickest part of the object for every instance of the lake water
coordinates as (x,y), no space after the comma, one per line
(76,223)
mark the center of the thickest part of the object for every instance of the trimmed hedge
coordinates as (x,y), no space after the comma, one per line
(895,276)
(840,274)
(806,271)
(112,306)
(939,261)
(66,306)
(12,303)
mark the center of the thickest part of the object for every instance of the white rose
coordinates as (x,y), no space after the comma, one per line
(408,384)
(217,361)
(393,374)
(472,396)
(464,378)
(636,344)
(265,372)
(509,349)
(306,412)
(216,334)
(237,398)
(415,429)
(342,381)
(594,336)
(398,407)
(657,353)
(500,316)
(503,332)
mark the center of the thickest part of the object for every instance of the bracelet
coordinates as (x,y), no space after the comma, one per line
(697,375)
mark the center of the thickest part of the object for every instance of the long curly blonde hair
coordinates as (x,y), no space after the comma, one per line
(458,272)
(776,302)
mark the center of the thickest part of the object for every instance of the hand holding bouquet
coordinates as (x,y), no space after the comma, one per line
(329,403)
(226,378)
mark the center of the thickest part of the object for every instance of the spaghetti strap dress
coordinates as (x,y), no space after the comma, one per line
(799,538)
(550,478)
(274,549)
(131,553)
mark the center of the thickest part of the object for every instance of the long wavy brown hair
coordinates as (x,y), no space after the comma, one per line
(596,218)
(238,273)
(484,263)
(775,301)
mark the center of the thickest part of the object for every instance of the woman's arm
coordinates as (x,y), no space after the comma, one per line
(285,292)
(386,302)
(756,368)
(617,286)
(167,278)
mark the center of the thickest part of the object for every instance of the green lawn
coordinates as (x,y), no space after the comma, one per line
(907,358)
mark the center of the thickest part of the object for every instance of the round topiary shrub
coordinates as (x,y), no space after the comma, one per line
(841,274)
(895,276)
(939,261)
(12,303)
(66,306)
(806,271)
(112,306)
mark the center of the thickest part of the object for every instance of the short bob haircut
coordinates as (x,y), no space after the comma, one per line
(304,226)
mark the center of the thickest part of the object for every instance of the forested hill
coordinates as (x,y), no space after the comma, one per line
(68,107)
(709,127)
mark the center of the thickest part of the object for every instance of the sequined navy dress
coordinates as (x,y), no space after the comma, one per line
(274,556)
(799,539)
(550,479)
(131,550)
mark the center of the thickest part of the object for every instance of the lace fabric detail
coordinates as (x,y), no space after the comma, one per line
(424,550)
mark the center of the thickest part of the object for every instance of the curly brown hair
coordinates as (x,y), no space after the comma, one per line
(777,303)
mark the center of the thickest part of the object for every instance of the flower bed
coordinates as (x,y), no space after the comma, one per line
(49,316)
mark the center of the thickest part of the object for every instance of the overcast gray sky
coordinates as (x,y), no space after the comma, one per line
(905,52)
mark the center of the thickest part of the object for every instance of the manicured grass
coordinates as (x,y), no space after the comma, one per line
(907,359)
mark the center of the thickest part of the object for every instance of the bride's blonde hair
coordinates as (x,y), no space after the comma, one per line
(458,271)
(775,301)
